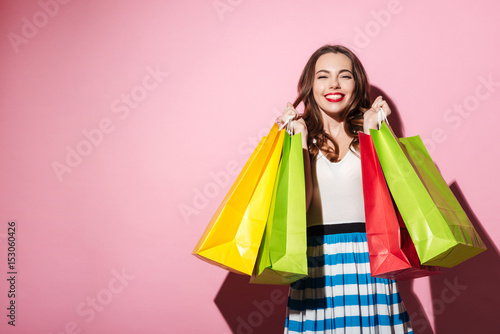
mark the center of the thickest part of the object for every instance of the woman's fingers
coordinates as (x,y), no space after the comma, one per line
(380,103)
(376,104)
(291,115)
(289,111)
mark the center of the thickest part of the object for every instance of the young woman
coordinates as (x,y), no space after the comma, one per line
(339,295)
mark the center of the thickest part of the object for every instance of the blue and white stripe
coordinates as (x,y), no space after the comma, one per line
(340,296)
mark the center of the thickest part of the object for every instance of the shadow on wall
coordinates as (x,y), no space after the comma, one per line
(418,317)
(252,308)
(465,297)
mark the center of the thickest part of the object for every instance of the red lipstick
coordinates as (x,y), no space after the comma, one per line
(329,97)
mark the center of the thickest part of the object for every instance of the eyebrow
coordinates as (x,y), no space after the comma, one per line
(341,71)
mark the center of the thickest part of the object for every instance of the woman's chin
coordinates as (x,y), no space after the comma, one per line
(335,113)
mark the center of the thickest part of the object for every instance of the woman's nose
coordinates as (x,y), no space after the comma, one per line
(334,83)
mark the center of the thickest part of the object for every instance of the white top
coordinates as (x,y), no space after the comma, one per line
(337,191)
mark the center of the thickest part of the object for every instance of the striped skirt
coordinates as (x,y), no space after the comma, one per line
(339,295)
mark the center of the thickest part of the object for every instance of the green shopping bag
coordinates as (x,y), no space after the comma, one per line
(440,229)
(282,256)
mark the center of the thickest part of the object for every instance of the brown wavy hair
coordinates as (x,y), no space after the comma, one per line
(318,138)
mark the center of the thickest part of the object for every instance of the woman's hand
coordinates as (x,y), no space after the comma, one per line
(371,115)
(298,124)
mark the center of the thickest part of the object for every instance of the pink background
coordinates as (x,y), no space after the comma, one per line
(104,241)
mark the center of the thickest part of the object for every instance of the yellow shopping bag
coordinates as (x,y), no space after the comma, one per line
(233,236)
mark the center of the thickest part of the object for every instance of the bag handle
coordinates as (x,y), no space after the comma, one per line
(382,117)
(288,125)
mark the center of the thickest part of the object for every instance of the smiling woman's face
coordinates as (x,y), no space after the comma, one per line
(333,84)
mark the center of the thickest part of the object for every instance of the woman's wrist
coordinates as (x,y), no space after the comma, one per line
(367,126)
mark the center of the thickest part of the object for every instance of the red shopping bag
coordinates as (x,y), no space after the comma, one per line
(391,250)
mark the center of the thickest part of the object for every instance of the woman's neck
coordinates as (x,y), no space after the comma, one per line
(335,127)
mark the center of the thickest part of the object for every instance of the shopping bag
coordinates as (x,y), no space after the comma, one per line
(391,252)
(440,229)
(233,236)
(283,254)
